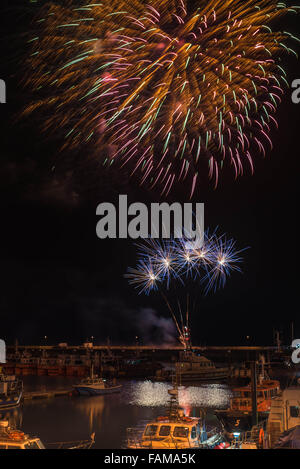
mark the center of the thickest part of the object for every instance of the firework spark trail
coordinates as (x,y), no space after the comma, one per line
(162,255)
(162,262)
(170,265)
(143,276)
(162,86)
(225,260)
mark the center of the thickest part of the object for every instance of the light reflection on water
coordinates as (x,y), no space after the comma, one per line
(75,418)
(151,394)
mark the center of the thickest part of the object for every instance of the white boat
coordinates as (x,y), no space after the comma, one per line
(174,431)
(284,414)
(95,386)
(192,367)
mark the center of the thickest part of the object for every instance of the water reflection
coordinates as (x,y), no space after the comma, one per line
(149,394)
(75,418)
(93,408)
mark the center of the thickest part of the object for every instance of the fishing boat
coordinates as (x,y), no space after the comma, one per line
(174,431)
(10,438)
(283,424)
(237,418)
(95,386)
(11,391)
(192,367)
(282,428)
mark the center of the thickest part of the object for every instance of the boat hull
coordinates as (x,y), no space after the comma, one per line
(210,443)
(8,402)
(203,377)
(90,391)
(235,421)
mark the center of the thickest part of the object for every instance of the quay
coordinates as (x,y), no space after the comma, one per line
(130,361)
(46,394)
(124,348)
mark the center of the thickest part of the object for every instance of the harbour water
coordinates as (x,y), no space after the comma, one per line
(71,418)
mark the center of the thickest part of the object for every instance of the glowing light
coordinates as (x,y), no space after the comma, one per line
(174,90)
(212,263)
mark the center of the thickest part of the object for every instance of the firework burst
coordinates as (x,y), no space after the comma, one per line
(161,262)
(179,264)
(161,86)
(144,276)
(225,259)
(162,255)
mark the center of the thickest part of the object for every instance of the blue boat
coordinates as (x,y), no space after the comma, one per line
(11,391)
(95,386)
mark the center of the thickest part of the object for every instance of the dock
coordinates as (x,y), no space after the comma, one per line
(133,361)
(46,394)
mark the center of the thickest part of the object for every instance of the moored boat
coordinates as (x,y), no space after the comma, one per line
(237,418)
(175,431)
(192,367)
(11,391)
(283,424)
(11,438)
(15,439)
(95,386)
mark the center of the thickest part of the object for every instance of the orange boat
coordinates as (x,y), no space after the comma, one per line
(242,397)
(238,415)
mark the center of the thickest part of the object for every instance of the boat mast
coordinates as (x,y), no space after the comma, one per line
(173,403)
(92,369)
(254,393)
(184,330)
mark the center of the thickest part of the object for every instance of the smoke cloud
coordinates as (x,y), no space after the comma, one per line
(154,328)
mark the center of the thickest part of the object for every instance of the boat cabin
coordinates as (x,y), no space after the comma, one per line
(174,430)
(185,434)
(8,384)
(93,381)
(285,410)
(193,367)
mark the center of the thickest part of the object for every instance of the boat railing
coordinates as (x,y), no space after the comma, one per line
(239,402)
(216,432)
(80,444)
(256,436)
(135,439)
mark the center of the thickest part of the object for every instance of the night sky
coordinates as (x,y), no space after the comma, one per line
(58,279)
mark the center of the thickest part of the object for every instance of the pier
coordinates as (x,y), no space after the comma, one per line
(130,361)
(46,394)
(124,348)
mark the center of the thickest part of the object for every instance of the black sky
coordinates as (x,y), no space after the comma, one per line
(59,280)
